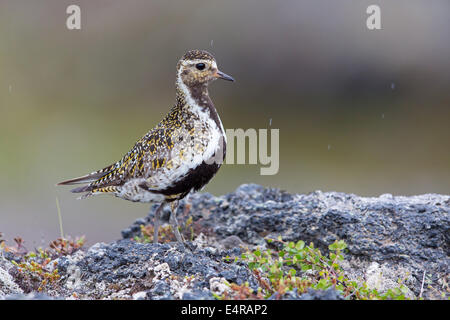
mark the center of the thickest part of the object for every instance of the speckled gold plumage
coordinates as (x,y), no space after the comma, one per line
(181,154)
(152,152)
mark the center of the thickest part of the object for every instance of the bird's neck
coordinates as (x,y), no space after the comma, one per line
(195,95)
(196,99)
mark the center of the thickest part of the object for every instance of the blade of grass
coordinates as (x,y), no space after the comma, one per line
(59,218)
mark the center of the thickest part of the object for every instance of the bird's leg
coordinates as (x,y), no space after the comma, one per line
(174,221)
(157,222)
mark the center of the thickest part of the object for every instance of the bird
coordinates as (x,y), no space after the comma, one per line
(180,155)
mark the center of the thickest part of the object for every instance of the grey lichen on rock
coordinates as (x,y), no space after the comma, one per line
(7,284)
(388,237)
(406,235)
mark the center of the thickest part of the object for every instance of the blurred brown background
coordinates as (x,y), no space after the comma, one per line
(359,111)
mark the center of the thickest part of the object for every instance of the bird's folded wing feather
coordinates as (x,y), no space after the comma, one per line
(137,163)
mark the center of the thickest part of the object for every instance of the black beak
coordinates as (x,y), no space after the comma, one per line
(224,76)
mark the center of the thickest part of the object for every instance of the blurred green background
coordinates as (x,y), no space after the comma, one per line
(359,111)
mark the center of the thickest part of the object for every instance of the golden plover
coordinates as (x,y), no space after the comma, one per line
(181,154)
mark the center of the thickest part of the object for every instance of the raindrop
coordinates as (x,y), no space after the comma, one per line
(392,85)
(212,43)
(329,147)
(270,122)
(382,116)
(10,88)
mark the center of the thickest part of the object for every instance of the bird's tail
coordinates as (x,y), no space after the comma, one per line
(89,179)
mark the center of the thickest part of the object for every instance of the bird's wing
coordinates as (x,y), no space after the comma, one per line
(147,154)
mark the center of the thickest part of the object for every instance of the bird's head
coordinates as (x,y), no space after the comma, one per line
(198,67)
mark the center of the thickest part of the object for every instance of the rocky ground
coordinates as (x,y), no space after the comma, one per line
(388,237)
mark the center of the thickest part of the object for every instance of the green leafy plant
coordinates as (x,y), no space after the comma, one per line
(165,233)
(62,247)
(188,228)
(300,266)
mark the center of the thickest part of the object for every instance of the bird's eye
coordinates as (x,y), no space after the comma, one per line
(200,66)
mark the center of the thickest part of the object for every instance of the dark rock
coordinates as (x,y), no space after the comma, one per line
(231,242)
(160,288)
(312,294)
(161,267)
(198,295)
(388,237)
(329,294)
(413,231)
(30,296)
